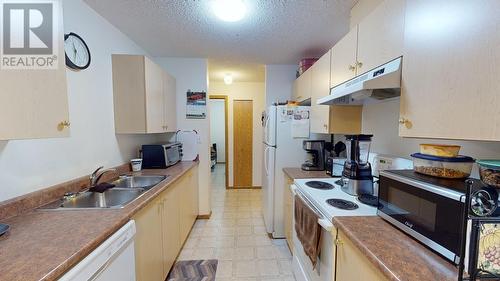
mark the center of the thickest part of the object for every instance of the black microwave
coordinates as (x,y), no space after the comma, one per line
(429,209)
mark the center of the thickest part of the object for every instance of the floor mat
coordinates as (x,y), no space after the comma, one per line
(195,270)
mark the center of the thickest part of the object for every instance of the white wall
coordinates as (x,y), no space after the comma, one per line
(191,74)
(246,91)
(29,165)
(218,127)
(279,81)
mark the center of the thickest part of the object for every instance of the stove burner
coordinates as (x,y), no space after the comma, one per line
(319,185)
(342,204)
(368,199)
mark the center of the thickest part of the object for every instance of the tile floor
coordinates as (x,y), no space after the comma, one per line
(235,235)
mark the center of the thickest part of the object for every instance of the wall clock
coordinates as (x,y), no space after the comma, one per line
(77,52)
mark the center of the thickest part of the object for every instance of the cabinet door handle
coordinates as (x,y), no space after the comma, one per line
(352,68)
(62,125)
(359,64)
(406,122)
(338,242)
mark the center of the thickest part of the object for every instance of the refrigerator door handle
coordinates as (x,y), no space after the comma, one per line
(266,160)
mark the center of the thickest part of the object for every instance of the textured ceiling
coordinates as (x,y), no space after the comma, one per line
(241,72)
(272,32)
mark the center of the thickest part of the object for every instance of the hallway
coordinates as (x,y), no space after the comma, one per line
(235,235)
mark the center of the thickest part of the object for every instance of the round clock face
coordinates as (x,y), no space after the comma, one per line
(77,52)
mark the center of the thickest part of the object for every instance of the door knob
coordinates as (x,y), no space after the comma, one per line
(359,64)
(338,242)
(352,68)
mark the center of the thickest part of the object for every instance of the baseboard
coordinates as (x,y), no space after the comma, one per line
(244,187)
(204,217)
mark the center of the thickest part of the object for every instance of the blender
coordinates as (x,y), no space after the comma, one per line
(357,174)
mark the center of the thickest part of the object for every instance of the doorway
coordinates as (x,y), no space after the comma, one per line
(219,140)
(243,143)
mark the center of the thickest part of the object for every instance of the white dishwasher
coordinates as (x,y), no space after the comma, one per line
(113,260)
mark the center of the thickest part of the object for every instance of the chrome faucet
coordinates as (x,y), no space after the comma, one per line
(97,174)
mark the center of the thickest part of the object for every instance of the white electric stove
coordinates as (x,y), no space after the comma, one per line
(317,193)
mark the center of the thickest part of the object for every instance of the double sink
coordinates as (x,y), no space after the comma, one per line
(126,189)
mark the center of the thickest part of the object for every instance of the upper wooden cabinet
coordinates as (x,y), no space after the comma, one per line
(380,35)
(34,103)
(320,87)
(144,96)
(302,87)
(343,63)
(330,119)
(450,71)
(376,40)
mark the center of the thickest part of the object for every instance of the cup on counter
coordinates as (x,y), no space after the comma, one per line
(136,164)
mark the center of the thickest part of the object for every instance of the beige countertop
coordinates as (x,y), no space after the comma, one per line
(43,244)
(298,173)
(395,254)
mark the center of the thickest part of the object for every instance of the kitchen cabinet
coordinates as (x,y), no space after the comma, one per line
(377,39)
(302,87)
(380,35)
(343,62)
(450,72)
(34,103)
(288,211)
(143,95)
(171,238)
(335,119)
(170,104)
(163,226)
(189,206)
(352,264)
(148,242)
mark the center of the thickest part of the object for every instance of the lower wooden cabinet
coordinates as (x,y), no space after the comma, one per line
(148,242)
(163,226)
(352,264)
(288,211)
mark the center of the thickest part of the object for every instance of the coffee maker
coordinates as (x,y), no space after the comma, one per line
(357,175)
(316,155)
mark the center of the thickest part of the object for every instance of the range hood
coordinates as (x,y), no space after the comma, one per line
(381,83)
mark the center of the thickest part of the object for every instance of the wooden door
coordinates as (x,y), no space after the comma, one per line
(343,61)
(352,264)
(169,96)
(170,228)
(148,243)
(380,35)
(34,103)
(451,76)
(154,97)
(320,87)
(242,143)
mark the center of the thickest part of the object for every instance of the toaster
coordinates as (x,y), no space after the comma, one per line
(161,156)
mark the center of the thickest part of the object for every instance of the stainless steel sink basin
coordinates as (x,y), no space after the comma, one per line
(126,190)
(111,198)
(145,182)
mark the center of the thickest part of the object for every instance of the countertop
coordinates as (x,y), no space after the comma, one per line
(298,173)
(395,254)
(43,244)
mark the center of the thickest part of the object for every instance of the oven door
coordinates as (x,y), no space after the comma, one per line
(301,264)
(426,212)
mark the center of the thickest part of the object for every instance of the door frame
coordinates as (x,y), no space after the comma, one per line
(226,138)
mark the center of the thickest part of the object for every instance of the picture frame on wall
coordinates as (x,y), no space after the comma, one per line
(196,105)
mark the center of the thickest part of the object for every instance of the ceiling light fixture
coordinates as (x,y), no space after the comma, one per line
(229,10)
(228,79)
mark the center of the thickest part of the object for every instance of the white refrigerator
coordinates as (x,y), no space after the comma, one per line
(280,150)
